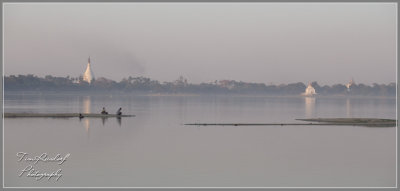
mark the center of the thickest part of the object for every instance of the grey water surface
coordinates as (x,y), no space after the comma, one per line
(155,149)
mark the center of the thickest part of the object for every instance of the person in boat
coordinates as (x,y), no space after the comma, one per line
(119,111)
(104,112)
(80,116)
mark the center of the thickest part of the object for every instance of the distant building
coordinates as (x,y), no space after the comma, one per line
(310,91)
(181,81)
(348,85)
(230,84)
(75,80)
(88,76)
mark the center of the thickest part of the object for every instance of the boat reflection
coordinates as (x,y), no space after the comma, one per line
(103,120)
(119,121)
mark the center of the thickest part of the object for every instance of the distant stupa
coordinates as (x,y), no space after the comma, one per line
(310,91)
(88,76)
(348,85)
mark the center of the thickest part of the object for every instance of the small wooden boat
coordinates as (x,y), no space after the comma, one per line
(63,115)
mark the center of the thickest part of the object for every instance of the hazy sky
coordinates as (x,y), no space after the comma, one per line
(253,42)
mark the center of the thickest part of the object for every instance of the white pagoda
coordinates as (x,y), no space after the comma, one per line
(310,91)
(348,85)
(88,76)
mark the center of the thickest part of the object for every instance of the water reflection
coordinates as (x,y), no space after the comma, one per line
(103,120)
(119,121)
(86,104)
(348,108)
(86,123)
(86,109)
(310,106)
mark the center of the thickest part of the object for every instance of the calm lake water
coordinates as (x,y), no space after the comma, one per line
(155,149)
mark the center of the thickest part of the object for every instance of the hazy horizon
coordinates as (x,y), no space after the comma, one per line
(211,81)
(276,43)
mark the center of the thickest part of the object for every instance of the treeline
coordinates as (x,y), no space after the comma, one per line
(147,85)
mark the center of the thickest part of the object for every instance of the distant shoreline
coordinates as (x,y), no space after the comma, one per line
(116,93)
(147,86)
